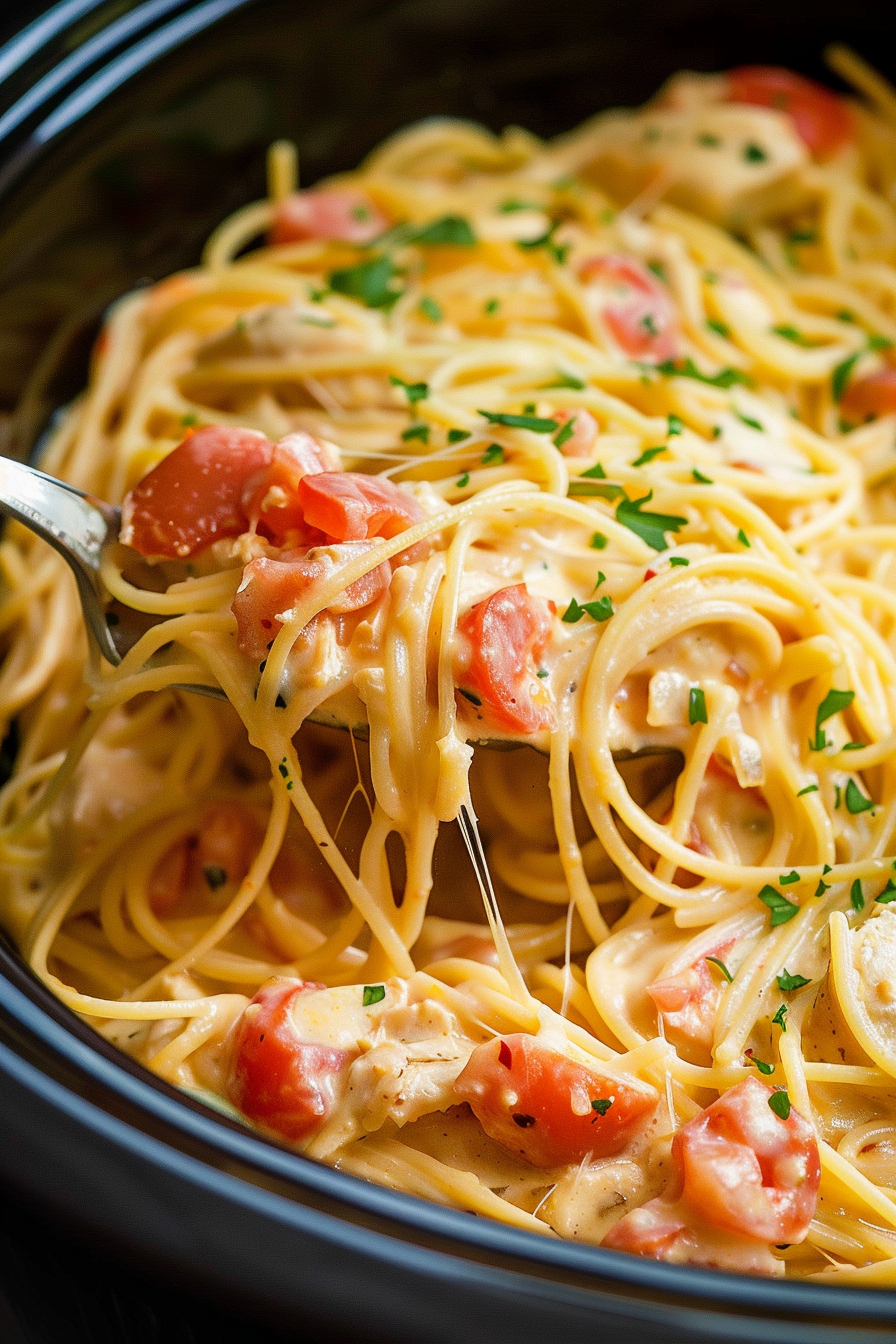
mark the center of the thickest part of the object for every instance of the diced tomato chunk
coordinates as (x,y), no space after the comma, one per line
(280,1082)
(169,878)
(635,307)
(584,434)
(337,212)
(220,850)
(871,396)
(270,588)
(229,837)
(747,1171)
(349,506)
(822,120)
(689,1001)
(271,496)
(549,1109)
(671,1231)
(194,496)
(500,642)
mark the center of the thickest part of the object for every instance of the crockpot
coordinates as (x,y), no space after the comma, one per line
(127,130)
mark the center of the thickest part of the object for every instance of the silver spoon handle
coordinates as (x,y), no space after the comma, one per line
(77,525)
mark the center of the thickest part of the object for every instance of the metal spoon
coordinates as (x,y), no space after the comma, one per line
(79,526)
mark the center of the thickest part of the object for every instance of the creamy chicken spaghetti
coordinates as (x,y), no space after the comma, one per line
(561,474)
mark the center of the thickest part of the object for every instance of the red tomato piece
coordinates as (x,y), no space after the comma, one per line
(270,588)
(661,1230)
(194,496)
(747,1171)
(871,396)
(169,879)
(635,306)
(584,435)
(339,213)
(280,1082)
(220,851)
(821,119)
(271,499)
(349,506)
(689,1000)
(656,1230)
(539,1104)
(228,840)
(501,640)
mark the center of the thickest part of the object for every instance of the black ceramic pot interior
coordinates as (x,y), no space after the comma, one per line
(127,131)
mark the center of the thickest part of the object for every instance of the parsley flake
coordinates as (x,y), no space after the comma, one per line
(742,537)
(649,454)
(601,609)
(833,703)
(754,153)
(413,391)
(214,875)
(841,375)
(750,422)
(686,368)
(650,527)
(565,433)
(761,1065)
(536,423)
(781,909)
(429,308)
(449,231)
(555,250)
(567,380)
(601,1105)
(579,486)
(373,282)
(810,788)
(720,328)
(714,961)
(419,431)
(700,478)
(697,706)
(678,560)
(373,994)
(787,983)
(888,894)
(463,481)
(792,876)
(791,334)
(491,306)
(856,801)
(676,425)
(456,435)
(493,455)
(779,1102)
(856,895)
(780,1017)
(598,541)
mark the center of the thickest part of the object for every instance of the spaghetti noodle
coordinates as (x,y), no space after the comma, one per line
(586,447)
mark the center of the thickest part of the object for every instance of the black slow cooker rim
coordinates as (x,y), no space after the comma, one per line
(38,1027)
